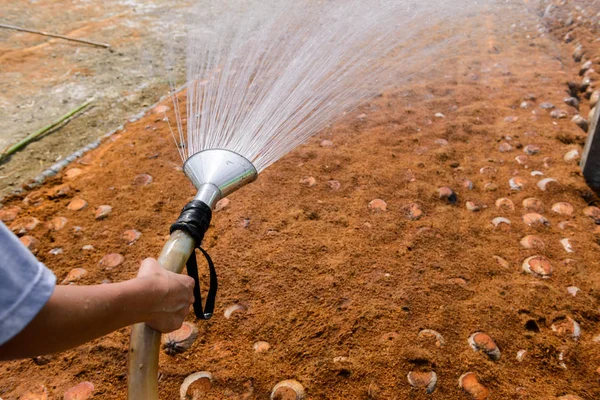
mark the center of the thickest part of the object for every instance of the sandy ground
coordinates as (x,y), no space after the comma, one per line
(342,290)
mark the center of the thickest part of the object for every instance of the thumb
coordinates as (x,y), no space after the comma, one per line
(148,267)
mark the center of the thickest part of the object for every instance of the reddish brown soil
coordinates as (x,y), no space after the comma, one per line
(323,276)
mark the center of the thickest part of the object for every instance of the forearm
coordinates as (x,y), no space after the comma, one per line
(77,314)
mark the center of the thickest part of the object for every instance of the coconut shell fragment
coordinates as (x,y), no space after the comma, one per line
(56,223)
(112,260)
(480,341)
(289,389)
(426,380)
(180,340)
(566,327)
(82,391)
(469,383)
(538,266)
(430,333)
(195,384)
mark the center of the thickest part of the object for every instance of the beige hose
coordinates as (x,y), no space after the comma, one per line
(145,341)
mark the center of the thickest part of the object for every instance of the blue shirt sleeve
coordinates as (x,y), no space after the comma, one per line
(25,285)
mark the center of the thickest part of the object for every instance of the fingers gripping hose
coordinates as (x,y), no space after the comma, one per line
(195,220)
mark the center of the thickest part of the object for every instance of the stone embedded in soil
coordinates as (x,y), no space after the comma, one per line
(516,183)
(538,266)
(130,236)
(60,191)
(490,187)
(469,383)
(112,260)
(142,180)
(521,355)
(180,340)
(473,206)
(420,379)
(412,211)
(261,347)
(195,385)
(431,334)
(566,244)
(8,214)
(501,261)
(535,219)
(585,66)
(73,173)
(56,251)
(56,223)
(521,160)
(501,222)
(334,185)
(546,106)
(82,391)
(505,148)
(571,155)
(77,204)
(445,193)
(87,247)
(566,326)
(24,225)
(531,149)
(480,341)
(308,181)
(222,204)
(511,118)
(30,242)
(581,122)
(532,242)
(441,142)
(572,101)
(34,198)
(378,205)
(505,204)
(558,114)
(74,275)
(563,208)
(235,308)
(102,212)
(533,204)
(592,212)
(289,389)
(326,143)
(467,184)
(573,290)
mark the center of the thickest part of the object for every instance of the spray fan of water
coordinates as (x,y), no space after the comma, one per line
(262,77)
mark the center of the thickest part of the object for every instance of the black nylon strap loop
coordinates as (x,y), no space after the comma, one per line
(195,220)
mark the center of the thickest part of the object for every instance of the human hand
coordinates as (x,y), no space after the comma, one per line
(173,294)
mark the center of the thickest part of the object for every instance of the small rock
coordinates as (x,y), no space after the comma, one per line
(544,183)
(511,118)
(34,198)
(56,223)
(469,383)
(584,67)
(412,211)
(326,143)
(467,184)
(77,204)
(535,219)
(505,204)
(480,341)
(24,225)
(74,275)
(581,122)
(501,261)
(572,101)
(233,309)
(261,347)
(56,251)
(559,114)
(8,214)
(566,244)
(538,266)
(426,380)
(87,247)
(334,185)
(30,242)
(142,180)
(547,106)
(578,53)
(288,390)
(532,242)
(130,236)
(59,191)
(566,327)
(222,204)
(505,148)
(521,160)
(82,391)
(180,340)
(441,142)
(586,83)
(562,208)
(445,193)
(531,149)
(524,105)
(572,290)
(472,206)
(378,205)
(439,115)
(571,155)
(102,212)
(73,173)
(521,355)
(308,181)
(516,183)
(112,260)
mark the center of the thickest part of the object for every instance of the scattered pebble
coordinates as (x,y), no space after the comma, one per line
(578,53)
(533,204)
(82,391)
(504,203)
(566,327)
(56,223)
(535,219)
(200,381)
(547,161)
(87,247)
(59,191)
(573,290)
(531,149)
(503,263)
(326,143)
(261,347)
(180,340)
(34,198)
(538,266)
(131,236)
(439,115)
(8,214)
(142,180)
(222,204)
(467,184)
(74,275)
(469,383)
(581,122)
(584,67)
(572,101)
(536,173)
(480,341)
(112,260)
(521,160)
(516,183)
(289,389)
(56,251)
(73,173)
(412,211)
(30,242)
(308,181)
(426,380)
(558,114)
(571,155)
(562,208)
(532,242)
(592,212)
(378,205)
(445,193)
(441,142)
(490,187)
(473,206)
(102,212)
(500,220)
(511,118)
(521,355)
(547,106)
(232,309)
(524,105)
(566,244)
(77,204)
(430,333)
(334,185)
(24,225)
(543,184)
(505,148)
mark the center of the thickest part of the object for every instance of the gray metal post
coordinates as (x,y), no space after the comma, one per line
(590,161)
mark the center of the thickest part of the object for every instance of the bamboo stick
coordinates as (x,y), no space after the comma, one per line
(30,138)
(18,28)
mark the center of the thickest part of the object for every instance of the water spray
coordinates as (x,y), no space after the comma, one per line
(262,78)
